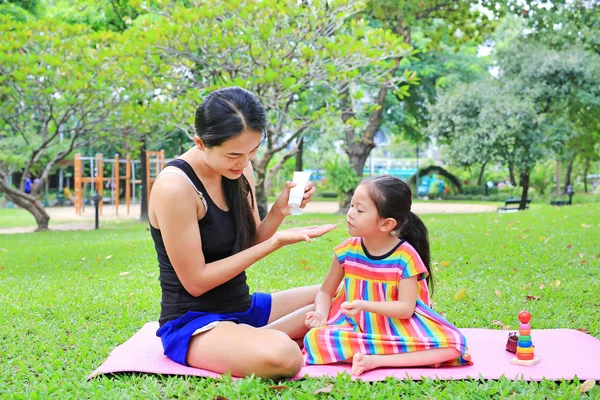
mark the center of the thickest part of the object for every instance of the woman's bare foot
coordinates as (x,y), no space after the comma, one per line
(360,364)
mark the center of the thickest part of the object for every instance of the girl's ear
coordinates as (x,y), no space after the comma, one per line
(199,142)
(388,225)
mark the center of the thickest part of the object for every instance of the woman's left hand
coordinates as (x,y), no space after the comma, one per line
(352,308)
(281,204)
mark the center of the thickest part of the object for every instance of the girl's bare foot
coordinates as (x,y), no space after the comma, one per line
(360,364)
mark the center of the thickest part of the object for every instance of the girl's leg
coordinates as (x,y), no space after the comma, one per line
(364,362)
(289,308)
(243,350)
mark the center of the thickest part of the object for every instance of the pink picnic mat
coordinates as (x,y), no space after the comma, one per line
(565,353)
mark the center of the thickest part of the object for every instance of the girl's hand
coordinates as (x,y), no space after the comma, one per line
(352,308)
(281,204)
(295,235)
(315,319)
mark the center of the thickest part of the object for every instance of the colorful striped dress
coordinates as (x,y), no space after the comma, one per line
(376,278)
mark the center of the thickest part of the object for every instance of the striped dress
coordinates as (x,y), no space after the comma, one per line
(373,278)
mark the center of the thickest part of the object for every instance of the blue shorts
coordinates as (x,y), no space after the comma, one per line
(176,334)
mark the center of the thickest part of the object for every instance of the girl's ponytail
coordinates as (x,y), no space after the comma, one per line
(415,233)
(393,199)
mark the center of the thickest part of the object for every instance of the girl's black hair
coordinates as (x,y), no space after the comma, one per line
(223,115)
(393,199)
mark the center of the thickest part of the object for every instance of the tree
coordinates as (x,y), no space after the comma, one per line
(21,10)
(471,119)
(523,115)
(447,21)
(561,24)
(279,50)
(57,88)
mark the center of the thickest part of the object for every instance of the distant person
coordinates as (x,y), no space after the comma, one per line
(570,190)
(27,188)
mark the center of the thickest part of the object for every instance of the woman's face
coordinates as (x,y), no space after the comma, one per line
(232,157)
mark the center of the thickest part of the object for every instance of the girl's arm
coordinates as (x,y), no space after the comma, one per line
(268,226)
(325,295)
(176,208)
(402,309)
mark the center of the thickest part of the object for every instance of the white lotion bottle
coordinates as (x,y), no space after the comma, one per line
(297,192)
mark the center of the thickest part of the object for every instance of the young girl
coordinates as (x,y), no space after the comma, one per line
(381,317)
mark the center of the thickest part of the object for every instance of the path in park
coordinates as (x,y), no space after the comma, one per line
(86,220)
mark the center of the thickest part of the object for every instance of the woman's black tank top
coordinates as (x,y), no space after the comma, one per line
(217,231)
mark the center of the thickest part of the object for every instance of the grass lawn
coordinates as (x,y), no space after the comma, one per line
(68,298)
(13,217)
(18,217)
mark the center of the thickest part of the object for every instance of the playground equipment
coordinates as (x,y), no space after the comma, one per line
(155,162)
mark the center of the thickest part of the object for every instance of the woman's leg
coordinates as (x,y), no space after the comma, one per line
(365,362)
(244,350)
(288,301)
(289,308)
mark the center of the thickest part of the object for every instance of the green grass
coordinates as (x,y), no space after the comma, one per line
(67,299)
(18,217)
(13,217)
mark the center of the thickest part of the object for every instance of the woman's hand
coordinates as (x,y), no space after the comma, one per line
(281,204)
(295,235)
(352,308)
(315,319)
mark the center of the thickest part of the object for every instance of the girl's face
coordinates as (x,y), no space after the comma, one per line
(232,157)
(362,217)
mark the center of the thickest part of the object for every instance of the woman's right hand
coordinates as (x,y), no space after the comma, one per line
(315,319)
(305,233)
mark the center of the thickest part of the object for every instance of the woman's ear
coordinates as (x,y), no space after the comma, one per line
(199,142)
(388,225)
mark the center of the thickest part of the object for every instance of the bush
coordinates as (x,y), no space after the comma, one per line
(329,194)
(341,176)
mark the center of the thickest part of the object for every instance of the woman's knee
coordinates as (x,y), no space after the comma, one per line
(282,355)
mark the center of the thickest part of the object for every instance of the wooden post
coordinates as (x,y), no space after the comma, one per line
(127,182)
(116,185)
(100,179)
(77,195)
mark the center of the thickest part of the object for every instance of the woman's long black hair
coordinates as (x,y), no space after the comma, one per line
(393,199)
(223,115)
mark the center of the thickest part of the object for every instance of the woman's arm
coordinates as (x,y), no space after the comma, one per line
(175,206)
(268,226)
(402,309)
(325,295)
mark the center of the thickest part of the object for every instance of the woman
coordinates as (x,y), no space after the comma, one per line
(206,229)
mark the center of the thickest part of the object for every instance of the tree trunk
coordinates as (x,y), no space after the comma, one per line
(585,172)
(558,178)
(359,148)
(144,194)
(299,154)
(481,173)
(511,173)
(568,174)
(27,202)
(262,200)
(525,185)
